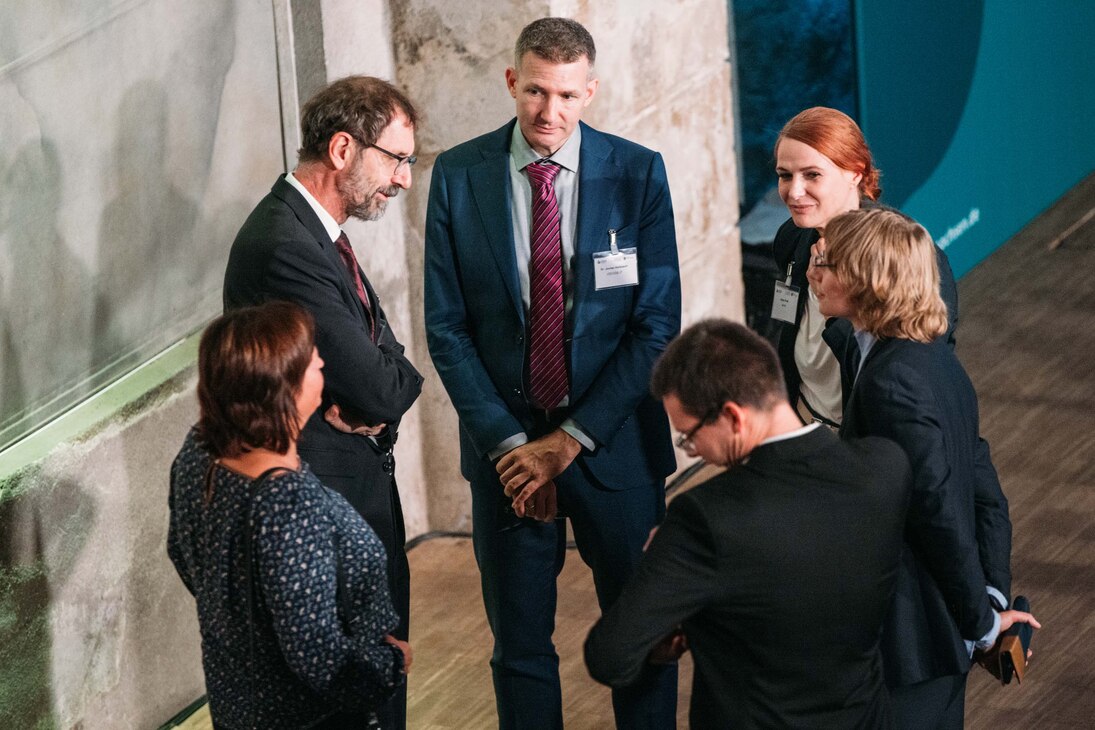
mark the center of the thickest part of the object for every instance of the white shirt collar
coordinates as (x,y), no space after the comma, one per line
(328,220)
(790,434)
(566,156)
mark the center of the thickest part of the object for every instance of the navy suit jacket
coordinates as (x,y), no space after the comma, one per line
(958,533)
(476,319)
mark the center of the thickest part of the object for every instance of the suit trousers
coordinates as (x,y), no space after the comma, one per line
(367,481)
(519,562)
(937,704)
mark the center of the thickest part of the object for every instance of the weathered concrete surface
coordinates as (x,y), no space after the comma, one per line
(96,629)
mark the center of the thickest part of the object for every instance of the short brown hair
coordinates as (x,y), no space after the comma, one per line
(558,40)
(251,363)
(886,262)
(715,361)
(360,106)
(835,135)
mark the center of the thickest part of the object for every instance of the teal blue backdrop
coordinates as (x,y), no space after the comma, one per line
(980,113)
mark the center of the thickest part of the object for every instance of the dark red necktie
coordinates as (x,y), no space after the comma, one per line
(548,383)
(350,261)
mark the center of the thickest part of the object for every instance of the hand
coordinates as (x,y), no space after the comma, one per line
(345,424)
(403,646)
(813,275)
(536,463)
(540,505)
(1010,618)
(650,537)
(669,649)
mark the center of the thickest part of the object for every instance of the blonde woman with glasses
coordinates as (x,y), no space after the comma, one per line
(879,272)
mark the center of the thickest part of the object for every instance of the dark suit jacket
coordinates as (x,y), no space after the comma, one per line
(792,246)
(780,571)
(283,252)
(958,534)
(476,320)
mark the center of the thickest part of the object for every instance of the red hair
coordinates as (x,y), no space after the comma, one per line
(836,135)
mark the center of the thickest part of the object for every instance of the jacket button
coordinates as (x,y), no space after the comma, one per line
(517,391)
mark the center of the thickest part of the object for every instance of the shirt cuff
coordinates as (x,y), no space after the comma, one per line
(989,639)
(517,439)
(571,427)
(997,599)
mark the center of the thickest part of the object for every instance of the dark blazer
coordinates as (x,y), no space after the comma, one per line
(792,247)
(283,252)
(958,534)
(475,317)
(780,571)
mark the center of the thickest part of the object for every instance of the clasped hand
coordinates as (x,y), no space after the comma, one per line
(531,468)
(345,424)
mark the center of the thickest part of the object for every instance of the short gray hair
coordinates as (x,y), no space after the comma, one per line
(558,40)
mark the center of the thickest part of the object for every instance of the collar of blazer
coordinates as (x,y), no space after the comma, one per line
(800,448)
(883,345)
(598,178)
(308,218)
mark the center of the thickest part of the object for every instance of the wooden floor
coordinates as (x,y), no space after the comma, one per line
(1027,337)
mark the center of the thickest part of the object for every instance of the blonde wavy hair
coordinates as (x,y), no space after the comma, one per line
(886,262)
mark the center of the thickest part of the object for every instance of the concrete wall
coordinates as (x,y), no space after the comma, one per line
(95,628)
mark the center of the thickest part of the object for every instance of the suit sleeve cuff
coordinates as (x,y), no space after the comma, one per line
(517,439)
(571,427)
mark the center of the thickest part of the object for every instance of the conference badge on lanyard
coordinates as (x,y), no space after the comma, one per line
(785,299)
(615,267)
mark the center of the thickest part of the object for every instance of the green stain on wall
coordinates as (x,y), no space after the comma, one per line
(25,645)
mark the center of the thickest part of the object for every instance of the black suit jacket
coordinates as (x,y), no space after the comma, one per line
(792,247)
(283,252)
(781,571)
(958,534)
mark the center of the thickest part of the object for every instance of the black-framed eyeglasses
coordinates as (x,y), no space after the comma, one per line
(684,440)
(400,160)
(819,262)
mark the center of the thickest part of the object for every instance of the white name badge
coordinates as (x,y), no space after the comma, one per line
(613,269)
(785,302)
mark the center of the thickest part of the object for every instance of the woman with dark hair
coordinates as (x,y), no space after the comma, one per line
(290,582)
(879,272)
(825,168)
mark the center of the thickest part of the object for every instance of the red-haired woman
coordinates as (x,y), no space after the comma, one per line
(290,582)
(825,168)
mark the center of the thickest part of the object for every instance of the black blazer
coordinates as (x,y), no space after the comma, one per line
(781,571)
(958,534)
(792,247)
(283,252)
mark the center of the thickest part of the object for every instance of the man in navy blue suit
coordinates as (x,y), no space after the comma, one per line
(551,287)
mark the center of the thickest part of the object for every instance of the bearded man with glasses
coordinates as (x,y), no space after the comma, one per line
(356,154)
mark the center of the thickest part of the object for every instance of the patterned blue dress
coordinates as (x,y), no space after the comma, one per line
(308,660)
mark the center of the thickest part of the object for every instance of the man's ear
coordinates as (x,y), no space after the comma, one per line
(340,150)
(734,413)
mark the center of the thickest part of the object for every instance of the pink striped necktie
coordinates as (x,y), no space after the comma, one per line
(346,253)
(548,383)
